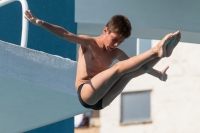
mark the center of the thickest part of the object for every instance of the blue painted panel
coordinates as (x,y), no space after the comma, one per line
(59,127)
(11,23)
(60,13)
(56,12)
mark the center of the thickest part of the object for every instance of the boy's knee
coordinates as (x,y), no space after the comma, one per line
(118,68)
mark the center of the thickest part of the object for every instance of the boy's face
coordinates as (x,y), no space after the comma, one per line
(112,40)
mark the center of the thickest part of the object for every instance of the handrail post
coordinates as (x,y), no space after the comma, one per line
(24,35)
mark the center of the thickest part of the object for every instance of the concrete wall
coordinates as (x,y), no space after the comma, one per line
(174,104)
(36,89)
(59,13)
(150,19)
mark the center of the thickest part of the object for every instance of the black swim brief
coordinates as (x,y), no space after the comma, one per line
(97,106)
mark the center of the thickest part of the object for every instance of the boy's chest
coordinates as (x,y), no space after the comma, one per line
(99,58)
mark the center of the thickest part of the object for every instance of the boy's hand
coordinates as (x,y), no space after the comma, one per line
(164,75)
(29,16)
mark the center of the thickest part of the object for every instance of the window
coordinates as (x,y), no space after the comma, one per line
(135,107)
(143,45)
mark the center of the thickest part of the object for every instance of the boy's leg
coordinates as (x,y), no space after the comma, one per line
(118,87)
(93,90)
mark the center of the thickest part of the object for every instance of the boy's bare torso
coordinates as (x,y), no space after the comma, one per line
(92,59)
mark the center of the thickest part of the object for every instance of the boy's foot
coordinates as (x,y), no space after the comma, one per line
(172,44)
(161,47)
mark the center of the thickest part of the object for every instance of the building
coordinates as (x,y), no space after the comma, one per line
(148,104)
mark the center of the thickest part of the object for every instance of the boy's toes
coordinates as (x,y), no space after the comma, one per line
(177,32)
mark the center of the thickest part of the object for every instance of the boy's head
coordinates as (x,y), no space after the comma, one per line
(120,25)
(116,31)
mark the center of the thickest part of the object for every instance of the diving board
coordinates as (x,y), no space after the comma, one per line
(36,89)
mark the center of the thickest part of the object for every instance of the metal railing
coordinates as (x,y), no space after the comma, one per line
(24,35)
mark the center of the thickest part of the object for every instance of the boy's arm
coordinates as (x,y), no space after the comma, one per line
(121,55)
(56,30)
(159,74)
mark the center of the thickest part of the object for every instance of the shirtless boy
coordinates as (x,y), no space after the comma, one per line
(97,83)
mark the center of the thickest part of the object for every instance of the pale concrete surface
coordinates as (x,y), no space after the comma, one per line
(87,130)
(36,89)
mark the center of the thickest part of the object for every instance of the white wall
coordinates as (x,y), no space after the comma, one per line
(174,104)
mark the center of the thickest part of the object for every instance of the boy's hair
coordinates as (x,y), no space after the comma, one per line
(119,24)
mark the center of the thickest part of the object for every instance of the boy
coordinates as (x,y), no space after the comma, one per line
(97,83)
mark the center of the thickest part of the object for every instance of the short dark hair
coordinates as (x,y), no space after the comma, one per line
(119,24)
